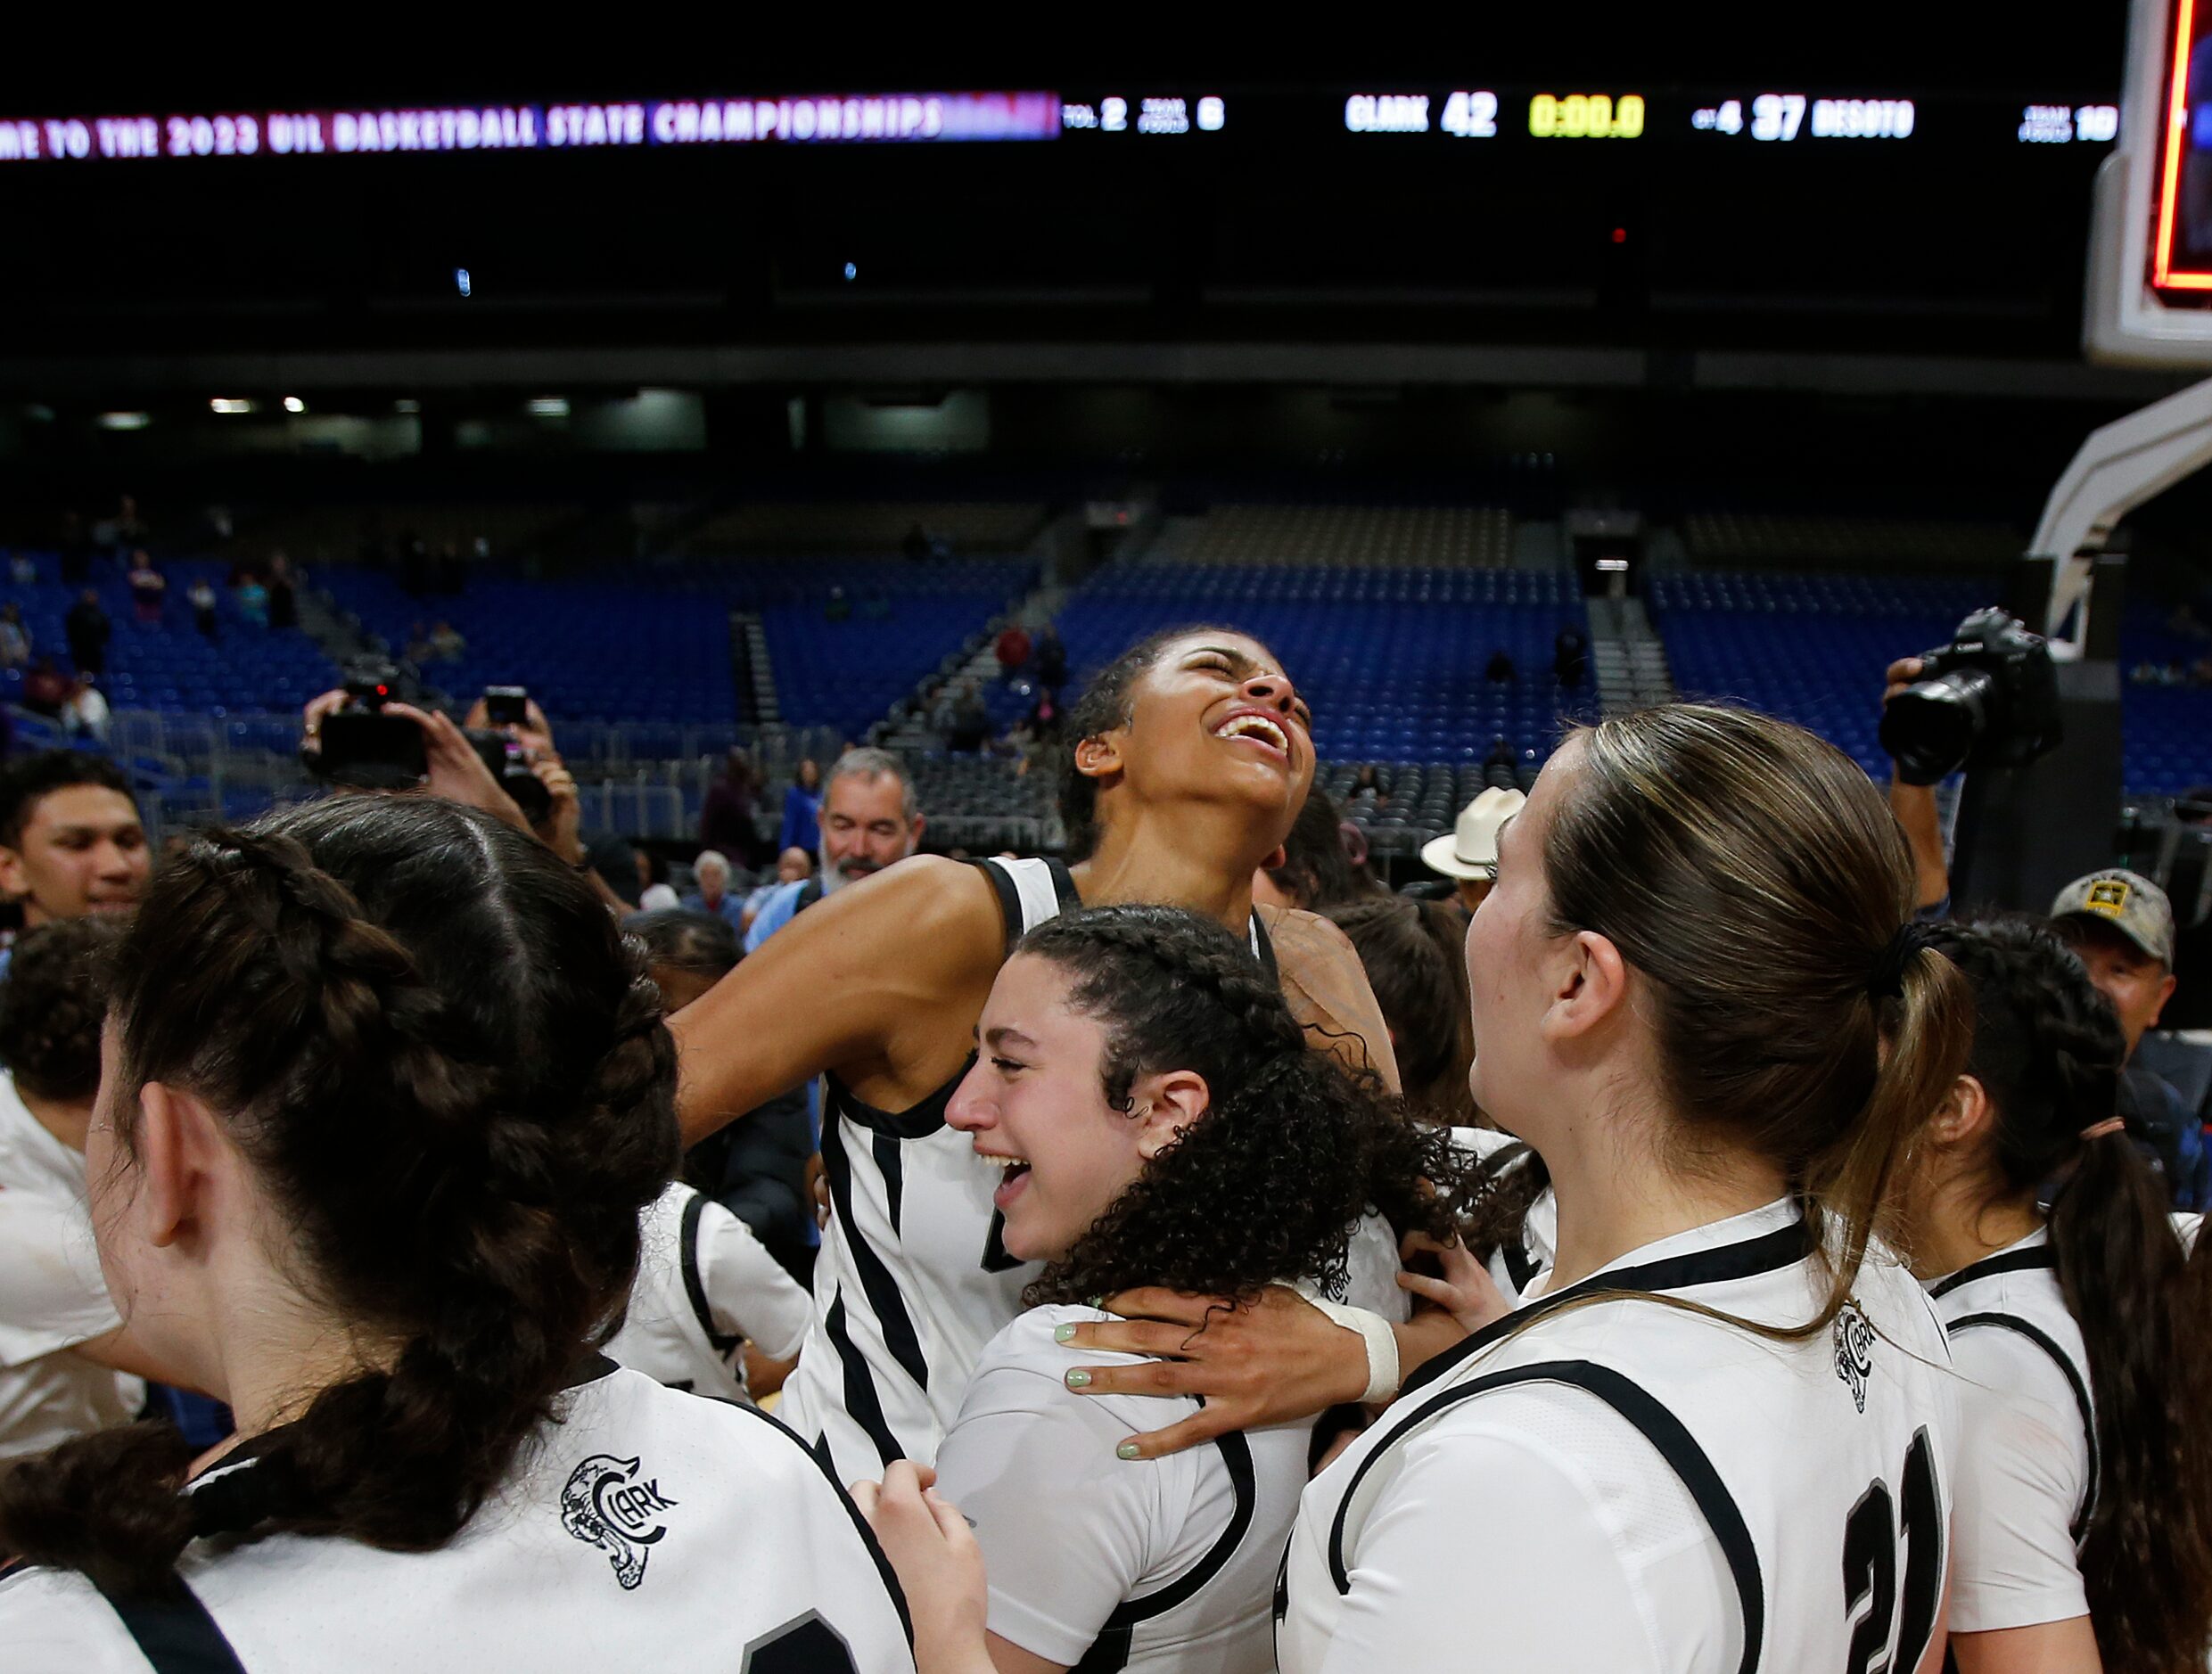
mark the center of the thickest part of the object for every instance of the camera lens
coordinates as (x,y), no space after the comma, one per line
(1930,728)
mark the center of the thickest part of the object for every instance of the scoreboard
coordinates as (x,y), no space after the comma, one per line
(1478,117)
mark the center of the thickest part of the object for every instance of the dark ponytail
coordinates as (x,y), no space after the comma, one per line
(2049,1052)
(450,1072)
(1295,1149)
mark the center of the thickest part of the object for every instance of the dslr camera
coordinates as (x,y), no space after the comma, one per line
(1989,699)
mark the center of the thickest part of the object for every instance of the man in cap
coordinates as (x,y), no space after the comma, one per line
(1470,855)
(2122,926)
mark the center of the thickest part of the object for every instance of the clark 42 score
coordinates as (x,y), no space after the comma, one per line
(1472,114)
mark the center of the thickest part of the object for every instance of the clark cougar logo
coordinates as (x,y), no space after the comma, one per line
(609,1503)
(1854,1359)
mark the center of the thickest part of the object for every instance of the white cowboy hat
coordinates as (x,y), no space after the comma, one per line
(1471,850)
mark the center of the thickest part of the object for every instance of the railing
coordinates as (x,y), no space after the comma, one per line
(195,769)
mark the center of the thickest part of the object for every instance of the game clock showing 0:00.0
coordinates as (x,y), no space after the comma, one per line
(1586,116)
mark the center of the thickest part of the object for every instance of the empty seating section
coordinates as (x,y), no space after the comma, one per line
(905,619)
(1375,536)
(604,650)
(1721,540)
(1809,648)
(1393,661)
(169,664)
(652,644)
(981,526)
(323,533)
(2167,729)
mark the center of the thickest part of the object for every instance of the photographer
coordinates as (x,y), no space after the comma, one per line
(452,767)
(1915,804)
(2121,924)
(1988,700)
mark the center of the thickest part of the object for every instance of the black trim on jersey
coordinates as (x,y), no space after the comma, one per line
(884,1299)
(1520,1267)
(919,1120)
(863,1405)
(2043,1340)
(723,1342)
(1989,1266)
(860,1523)
(1010,895)
(1010,901)
(1109,1652)
(1264,948)
(1769,1252)
(173,1630)
(1064,885)
(891,1160)
(1659,1426)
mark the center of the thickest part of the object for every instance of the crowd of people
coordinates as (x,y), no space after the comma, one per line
(1674,1240)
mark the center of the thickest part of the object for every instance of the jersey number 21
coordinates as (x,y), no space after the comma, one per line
(1871,1536)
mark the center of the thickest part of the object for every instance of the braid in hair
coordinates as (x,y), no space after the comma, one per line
(448,1072)
(2048,1052)
(1267,1186)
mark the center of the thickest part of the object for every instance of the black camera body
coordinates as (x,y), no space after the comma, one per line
(1989,699)
(509,763)
(361,745)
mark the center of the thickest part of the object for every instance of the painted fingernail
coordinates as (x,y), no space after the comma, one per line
(1079,1380)
(1127,1450)
(1096,1301)
(1064,1333)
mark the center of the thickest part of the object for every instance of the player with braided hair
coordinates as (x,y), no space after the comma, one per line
(2085,1466)
(1193,753)
(1158,1121)
(384,1091)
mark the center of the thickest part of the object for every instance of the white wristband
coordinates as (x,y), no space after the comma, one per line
(1382,1347)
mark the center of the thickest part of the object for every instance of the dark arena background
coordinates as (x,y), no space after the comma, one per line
(745,402)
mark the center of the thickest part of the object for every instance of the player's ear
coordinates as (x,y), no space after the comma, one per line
(1588,982)
(14,884)
(1165,1103)
(1965,1116)
(1099,756)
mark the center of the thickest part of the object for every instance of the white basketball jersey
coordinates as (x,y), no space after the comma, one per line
(1099,1564)
(648,1530)
(2028,1461)
(705,1286)
(912,1280)
(1752,1502)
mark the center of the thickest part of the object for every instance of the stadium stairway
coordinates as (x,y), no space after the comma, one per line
(760,665)
(909,721)
(1626,658)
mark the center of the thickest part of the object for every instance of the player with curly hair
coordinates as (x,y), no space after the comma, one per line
(1157,1120)
(1192,753)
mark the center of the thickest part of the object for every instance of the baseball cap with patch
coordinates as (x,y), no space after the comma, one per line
(2129,902)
